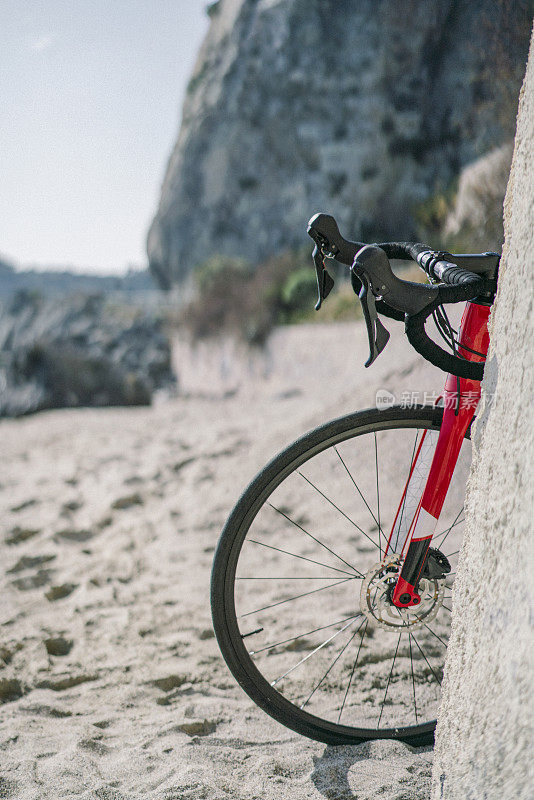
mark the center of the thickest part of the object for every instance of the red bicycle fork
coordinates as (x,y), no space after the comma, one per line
(460,399)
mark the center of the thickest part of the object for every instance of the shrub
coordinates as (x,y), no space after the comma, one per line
(299,292)
(232,299)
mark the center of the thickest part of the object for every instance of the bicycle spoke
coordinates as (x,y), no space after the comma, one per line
(389,680)
(286,578)
(378,498)
(313,652)
(413,676)
(433,632)
(338,509)
(300,635)
(408,480)
(427,661)
(297,597)
(314,678)
(251,633)
(304,558)
(352,672)
(300,528)
(377,521)
(448,530)
(332,665)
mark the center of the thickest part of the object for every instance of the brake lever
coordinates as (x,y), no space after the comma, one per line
(325,282)
(377,334)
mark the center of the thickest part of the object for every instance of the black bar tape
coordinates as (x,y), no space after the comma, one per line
(404,250)
(459,285)
(383,308)
(453,275)
(420,341)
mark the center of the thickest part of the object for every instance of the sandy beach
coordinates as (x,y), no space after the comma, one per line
(111,680)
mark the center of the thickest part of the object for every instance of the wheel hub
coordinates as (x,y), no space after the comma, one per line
(376,603)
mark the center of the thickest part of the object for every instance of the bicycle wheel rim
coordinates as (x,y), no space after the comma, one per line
(228,631)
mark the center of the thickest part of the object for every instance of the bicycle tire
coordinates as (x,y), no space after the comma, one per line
(224,581)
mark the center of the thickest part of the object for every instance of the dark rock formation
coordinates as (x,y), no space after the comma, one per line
(78,351)
(362,109)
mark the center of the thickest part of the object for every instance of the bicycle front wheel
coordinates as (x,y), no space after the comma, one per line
(300,597)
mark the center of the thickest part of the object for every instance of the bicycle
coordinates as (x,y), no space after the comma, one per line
(330,606)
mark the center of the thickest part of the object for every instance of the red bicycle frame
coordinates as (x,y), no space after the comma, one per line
(460,399)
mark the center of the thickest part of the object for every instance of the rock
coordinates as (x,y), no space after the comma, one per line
(484,737)
(359,109)
(476,219)
(82,351)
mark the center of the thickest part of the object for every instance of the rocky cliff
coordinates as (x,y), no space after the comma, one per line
(361,108)
(485,737)
(80,350)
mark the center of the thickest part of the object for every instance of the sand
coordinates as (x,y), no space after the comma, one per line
(112,681)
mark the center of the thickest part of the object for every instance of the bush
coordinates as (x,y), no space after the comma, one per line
(219,269)
(299,292)
(232,299)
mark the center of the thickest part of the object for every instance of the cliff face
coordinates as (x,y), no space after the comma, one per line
(362,109)
(485,737)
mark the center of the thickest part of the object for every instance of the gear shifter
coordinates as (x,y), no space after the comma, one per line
(377,334)
(372,279)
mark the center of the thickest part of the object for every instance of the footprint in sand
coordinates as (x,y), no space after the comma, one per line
(102,724)
(7,653)
(35,581)
(8,788)
(68,508)
(60,591)
(58,683)
(197,727)
(28,562)
(95,746)
(18,534)
(10,689)
(173,686)
(58,646)
(128,501)
(181,464)
(74,535)
(47,711)
(25,504)
(169,682)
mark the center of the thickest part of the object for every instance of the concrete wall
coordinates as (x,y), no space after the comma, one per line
(485,742)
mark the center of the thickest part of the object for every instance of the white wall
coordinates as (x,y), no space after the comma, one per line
(485,742)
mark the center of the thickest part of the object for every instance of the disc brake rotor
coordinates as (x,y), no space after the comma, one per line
(375,602)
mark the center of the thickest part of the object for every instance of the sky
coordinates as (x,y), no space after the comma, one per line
(90,103)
